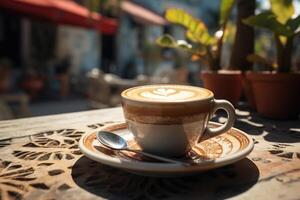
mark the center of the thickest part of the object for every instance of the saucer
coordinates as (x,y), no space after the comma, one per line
(221,150)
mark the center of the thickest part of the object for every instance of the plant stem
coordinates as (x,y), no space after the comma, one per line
(288,55)
(211,60)
(279,53)
(284,54)
(219,49)
(244,37)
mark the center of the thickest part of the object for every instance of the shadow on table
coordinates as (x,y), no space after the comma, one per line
(113,183)
(282,131)
(278,131)
(250,125)
(283,136)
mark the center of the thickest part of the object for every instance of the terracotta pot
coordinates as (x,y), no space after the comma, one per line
(248,92)
(276,95)
(224,84)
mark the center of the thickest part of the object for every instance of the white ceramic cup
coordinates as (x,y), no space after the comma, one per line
(168,120)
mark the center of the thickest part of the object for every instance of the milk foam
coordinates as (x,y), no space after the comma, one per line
(166,93)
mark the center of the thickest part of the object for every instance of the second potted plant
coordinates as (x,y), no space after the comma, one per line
(277,92)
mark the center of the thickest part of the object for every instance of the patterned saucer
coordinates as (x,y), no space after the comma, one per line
(209,154)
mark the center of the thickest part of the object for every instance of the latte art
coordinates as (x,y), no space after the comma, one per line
(166,93)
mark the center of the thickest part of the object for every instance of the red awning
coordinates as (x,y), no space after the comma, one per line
(62,12)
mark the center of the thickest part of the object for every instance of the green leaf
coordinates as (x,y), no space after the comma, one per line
(294,24)
(169,42)
(283,9)
(166,41)
(225,10)
(268,20)
(196,29)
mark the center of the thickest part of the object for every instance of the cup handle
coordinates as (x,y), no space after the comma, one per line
(228,107)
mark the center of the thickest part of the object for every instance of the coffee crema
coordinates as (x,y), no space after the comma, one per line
(166,93)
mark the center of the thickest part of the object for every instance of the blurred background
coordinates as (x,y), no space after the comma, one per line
(59,56)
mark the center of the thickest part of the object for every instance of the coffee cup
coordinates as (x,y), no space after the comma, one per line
(168,120)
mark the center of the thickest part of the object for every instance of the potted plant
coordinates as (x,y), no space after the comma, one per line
(207,48)
(277,91)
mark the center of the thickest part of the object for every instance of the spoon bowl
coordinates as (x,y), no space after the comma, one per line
(112,140)
(116,142)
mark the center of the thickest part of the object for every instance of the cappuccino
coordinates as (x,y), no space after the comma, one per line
(169,120)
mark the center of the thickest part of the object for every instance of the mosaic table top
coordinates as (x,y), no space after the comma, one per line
(40,159)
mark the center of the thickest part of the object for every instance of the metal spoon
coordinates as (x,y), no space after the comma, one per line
(116,142)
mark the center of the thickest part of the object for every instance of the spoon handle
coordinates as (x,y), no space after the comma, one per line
(159,157)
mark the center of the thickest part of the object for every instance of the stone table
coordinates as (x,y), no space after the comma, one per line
(40,159)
